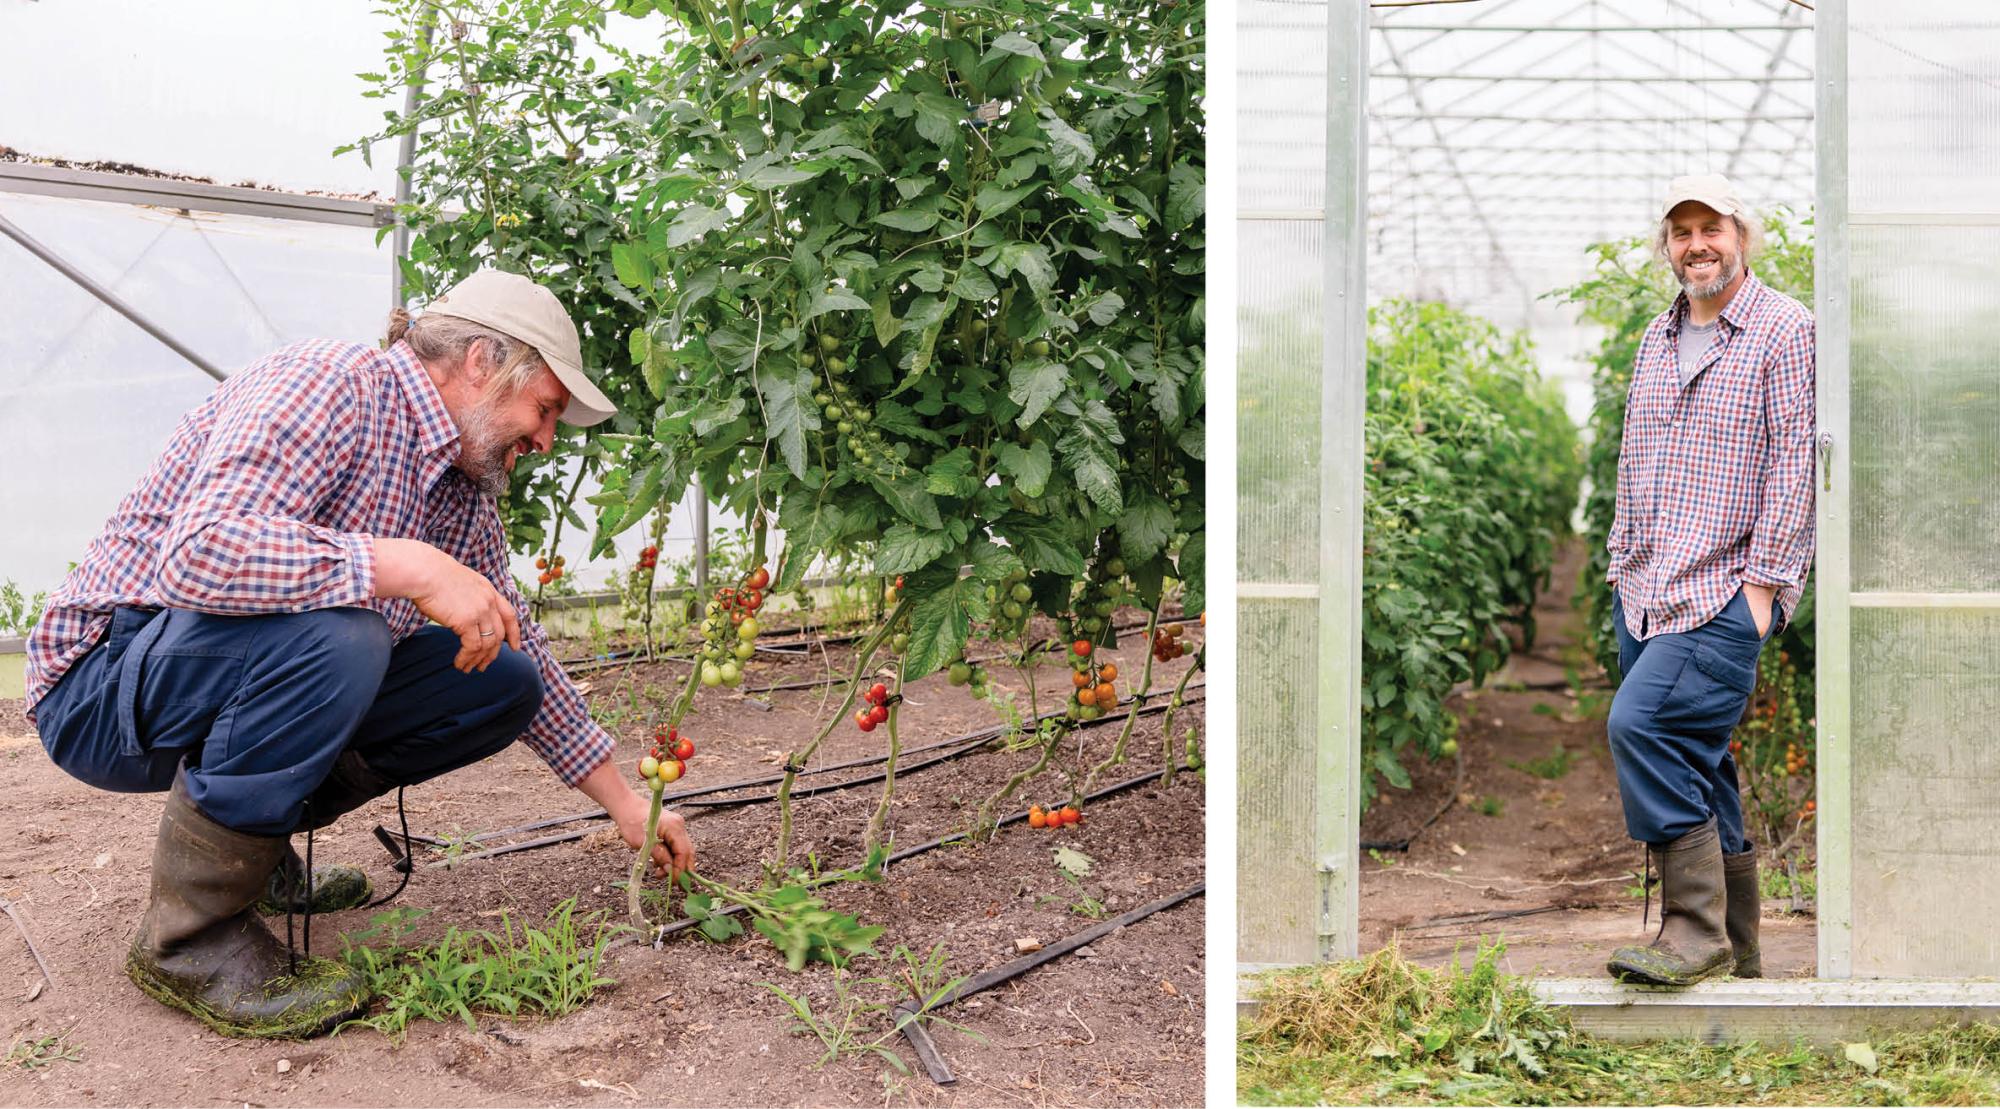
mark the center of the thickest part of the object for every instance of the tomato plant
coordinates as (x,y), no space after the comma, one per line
(1472,473)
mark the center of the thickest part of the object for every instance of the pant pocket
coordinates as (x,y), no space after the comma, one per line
(1710,692)
(175,694)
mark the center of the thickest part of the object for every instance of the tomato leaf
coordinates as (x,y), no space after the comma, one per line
(910,499)
(905,549)
(942,609)
(1029,466)
(1146,527)
(1041,544)
(695,221)
(1034,384)
(789,412)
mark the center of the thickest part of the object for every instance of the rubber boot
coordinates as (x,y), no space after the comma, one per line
(1746,904)
(1693,943)
(350,785)
(200,948)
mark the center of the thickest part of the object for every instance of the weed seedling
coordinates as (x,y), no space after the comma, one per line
(44,1051)
(1549,767)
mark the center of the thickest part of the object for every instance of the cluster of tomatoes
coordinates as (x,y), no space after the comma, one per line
(1796,760)
(961,672)
(1100,599)
(667,761)
(850,420)
(551,569)
(725,647)
(1054,816)
(649,558)
(1093,688)
(878,699)
(1013,598)
(1169,643)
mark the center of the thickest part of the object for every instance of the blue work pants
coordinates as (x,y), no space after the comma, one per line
(1682,697)
(259,707)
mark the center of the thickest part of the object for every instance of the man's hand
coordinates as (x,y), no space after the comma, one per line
(628,808)
(1760,598)
(452,594)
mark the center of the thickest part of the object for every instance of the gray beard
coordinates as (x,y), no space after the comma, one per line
(1725,273)
(483,449)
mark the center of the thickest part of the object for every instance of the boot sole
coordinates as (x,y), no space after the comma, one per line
(1633,974)
(300,1023)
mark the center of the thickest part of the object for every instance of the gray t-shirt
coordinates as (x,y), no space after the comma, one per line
(1695,341)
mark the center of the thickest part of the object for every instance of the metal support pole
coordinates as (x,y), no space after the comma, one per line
(700,540)
(408,155)
(117,304)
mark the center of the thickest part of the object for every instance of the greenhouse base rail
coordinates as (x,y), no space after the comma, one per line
(985,980)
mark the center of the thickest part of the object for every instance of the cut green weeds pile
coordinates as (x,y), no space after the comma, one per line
(1383,1030)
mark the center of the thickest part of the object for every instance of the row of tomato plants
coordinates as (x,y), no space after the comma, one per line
(917,285)
(1774,743)
(1472,474)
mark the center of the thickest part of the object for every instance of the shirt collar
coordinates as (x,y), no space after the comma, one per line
(436,431)
(1737,311)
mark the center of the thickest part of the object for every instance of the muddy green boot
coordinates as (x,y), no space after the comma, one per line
(1693,943)
(333,887)
(1746,908)
(201,949)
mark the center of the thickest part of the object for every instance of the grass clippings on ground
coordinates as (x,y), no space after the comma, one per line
(1382,1030)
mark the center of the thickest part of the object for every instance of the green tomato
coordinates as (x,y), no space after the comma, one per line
(732,674)
(649,767)
(835,364)
(978,328)
(864,458)
(711,675)
(1449,748)
(874,434)
(830,412)
(1011,610)
(828,343)
(745,650)
(747,630)
(865,416)
(1039,348)
(899,643)
(1115,567)
(822,398)
(959,674)
(1022,593)
(1090,712)
(1106,608)
(844,428)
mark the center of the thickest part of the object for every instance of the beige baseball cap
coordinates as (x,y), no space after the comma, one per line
(518,308)
(1711,189)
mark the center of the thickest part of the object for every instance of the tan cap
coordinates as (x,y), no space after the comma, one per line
(520,309)
(1711,189)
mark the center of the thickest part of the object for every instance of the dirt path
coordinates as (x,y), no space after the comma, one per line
(1119,1023)
(1549,852)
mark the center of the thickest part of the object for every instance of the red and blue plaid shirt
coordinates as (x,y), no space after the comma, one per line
(268,498)
(1715,480)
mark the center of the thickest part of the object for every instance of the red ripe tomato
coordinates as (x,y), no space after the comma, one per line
(684,749)
(1037,818)
(879,713)
(753,600)
(865,720)
(541,564)
(878,693)
(543,577)
(1070,815)
(555,571)
(759,578)
(1081,647)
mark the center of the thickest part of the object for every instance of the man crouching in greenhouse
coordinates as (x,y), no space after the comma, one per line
(249,633)
(1710,547)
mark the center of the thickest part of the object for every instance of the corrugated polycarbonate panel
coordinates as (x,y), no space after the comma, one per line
(1924,388)
(1924,90)
(1277,889)
(1279,369)
(1926,772)
(1926,409)
(1281,132)
(1279,372)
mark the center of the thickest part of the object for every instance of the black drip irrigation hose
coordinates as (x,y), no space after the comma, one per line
(799,646)
(920,1039)
(665,930)
(960,745)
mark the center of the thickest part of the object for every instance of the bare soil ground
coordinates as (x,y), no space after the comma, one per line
(1118,1023)
(1550,870)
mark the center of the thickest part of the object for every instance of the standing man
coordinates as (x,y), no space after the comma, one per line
(253,633)
(1710,548)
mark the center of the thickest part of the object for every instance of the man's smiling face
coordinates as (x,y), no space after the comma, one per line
(501,427)
(1704,249)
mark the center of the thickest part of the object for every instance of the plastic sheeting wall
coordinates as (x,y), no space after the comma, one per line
(87,400)
(1923,90)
